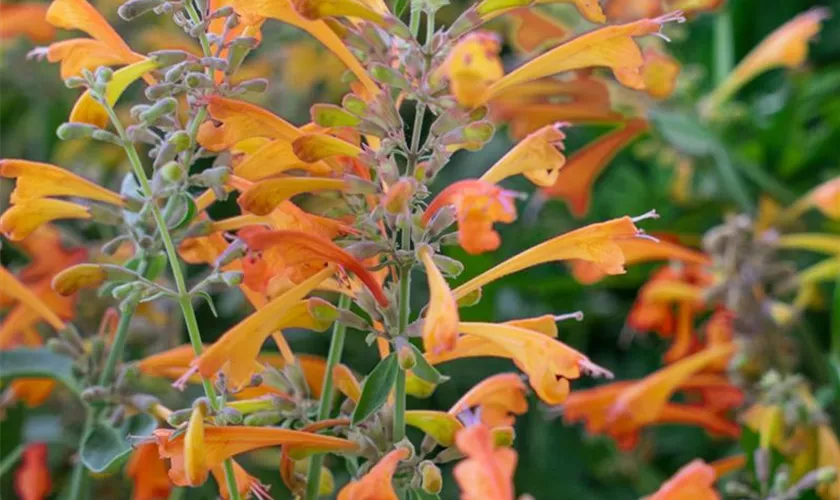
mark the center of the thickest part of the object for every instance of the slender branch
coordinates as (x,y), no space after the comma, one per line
(313,478)
(184,298)
(11,459)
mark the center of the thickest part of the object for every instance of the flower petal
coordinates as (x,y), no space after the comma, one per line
(504,393)
(87,110)
(241,120)
(264,196)
(84,53)
(610,46)
(16,290)
(574,182)
(311,148)
(695,481)
(530,30)
(81,15)
(19,221)
(40,180)
(595,243)
(26,19)
(439,425)
(440,327)
(539,157)
(487,472)
(378,482)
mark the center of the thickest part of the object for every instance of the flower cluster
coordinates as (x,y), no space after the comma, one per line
(338,221)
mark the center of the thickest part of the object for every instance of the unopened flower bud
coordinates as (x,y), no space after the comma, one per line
(177,71)
(158,109)
(448,266)
(172,172)
(195,80)
(432,480)
(169,57)
(263,418)
(354,104)
(405,354)
(441,221)
(104,74)
(216,63)
(134,8)
(143,402)
(75,82)
(105,136)
(178,417)
(181,140)
(228,416)
(165,154)
(139,133)
(69,131)
(60,346)
(258,85)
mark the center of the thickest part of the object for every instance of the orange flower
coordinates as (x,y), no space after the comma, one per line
(221,443)
(26,19)
(87,110)
(234,121)
(440,327)
(785,47)
(610,46)
(471,67)
(106,48)
(594,243)
(695,481)
(246,483)
(236,351)
(500,398)
(31,202)
(375,12)
(574,182)
(529,106)
(377,484)
(638,250)
(148,472)
(589,9)
(487,472)
(530,30)
(254,11)
(32,479)
(478,205)
(826,198)
(298,249)
(653,310)
(630,10)
(660,73)
(264,196)
(539,157)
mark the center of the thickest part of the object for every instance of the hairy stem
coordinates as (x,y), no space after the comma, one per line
(313,478)
(184,298)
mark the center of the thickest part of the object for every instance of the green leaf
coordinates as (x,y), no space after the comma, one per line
(106,448)
(206,296)
(685,133)
(189,212)
(376,388)
(424,370)
(38,363)
(399,7)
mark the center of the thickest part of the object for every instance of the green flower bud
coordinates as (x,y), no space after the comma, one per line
(70,131)
(169,57)
(135,8)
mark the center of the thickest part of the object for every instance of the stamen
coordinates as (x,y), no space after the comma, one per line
(594,370)
(577,315)
(647,215)
(470,418)
(646,236)
(260,491)
(38,54)
(182,381)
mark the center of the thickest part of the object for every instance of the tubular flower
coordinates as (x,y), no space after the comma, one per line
(315,147)
(590,9)
(236,351)
(298,249)
(594,243)
(695,481)
(539,157)
(594,407)
(357,9)
(440,327)
(264,196)
(471,67)
(254,11)
(529,106)
(26,19)
(549,363)
(530,30)
(785,47)
(653,309)
(610,46)
(377,484)
(660,73)
(233,121)
(487,472)
(574,182)
(499,398)
(148,473)
(31,203)
(637,250)
(221,443)
(106,48)
(32,479)
(87,110)
(641,402)
(478,204)
(245,483)
(826,198)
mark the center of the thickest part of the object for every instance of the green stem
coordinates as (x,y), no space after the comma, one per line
(724,53)
(11,459)
(79,478)
(405,311)
(313,478)
(184,299)
(414,21)
(202,37)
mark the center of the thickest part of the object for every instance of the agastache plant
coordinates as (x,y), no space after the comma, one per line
(337,222)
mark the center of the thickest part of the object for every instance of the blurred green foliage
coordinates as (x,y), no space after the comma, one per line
(783,141)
